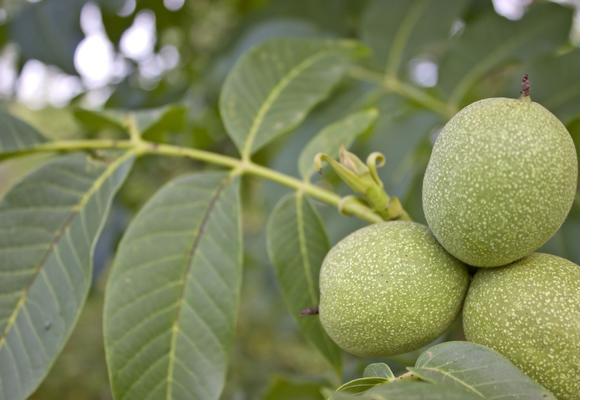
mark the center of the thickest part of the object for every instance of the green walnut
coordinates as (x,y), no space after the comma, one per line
(500,181)
(389,288)
(529,311)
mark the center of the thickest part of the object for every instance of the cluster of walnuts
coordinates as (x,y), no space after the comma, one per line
(500,182)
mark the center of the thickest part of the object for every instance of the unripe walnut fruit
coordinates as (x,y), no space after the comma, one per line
(500,181)
(389,288)
(529,311)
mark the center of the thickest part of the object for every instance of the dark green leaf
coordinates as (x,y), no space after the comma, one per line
(128,94)
(274,86)
(565,242)
(111,5)
(335,16)
(399,30)
(478,370)
(49,224)
(492,41)
(115,24)
(283,388)
(297,244)
(351,96)
(16,135)
(49,31)
(329,139)
(95,121)
(403,135)
(573,127)
(257,34)
(172,295)
(555,83)
(155,124)
(275,28)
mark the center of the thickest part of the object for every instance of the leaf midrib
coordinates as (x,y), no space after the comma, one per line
(274,94)
(58,237)
(458,380)
(185,279)
(304,250)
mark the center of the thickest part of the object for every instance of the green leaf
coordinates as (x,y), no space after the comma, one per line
(39,36)
(172,295)
(49,224)
(329,139)
(112,5)
(283,388)
(407,131)
(16,135)
(275,85)
(53,123)
(152,123)
(409,390)
(360,385)
(95,121)
(297,244)
(555,83)
(349,97)
(574,127)
(334,17)
(492,41)
(156,123)
(256,34)
(399,30)
(477,369)
(381,370)
(565,242)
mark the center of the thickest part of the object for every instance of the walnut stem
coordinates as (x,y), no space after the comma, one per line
(525,85)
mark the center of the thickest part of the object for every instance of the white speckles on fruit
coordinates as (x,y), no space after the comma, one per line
(500,182)
(389,288)
(529,311)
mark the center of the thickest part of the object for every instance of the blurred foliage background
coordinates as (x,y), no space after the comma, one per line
(63,61)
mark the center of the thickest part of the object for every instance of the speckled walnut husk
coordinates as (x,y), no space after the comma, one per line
(500,181)
(529,311)
(389,288)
